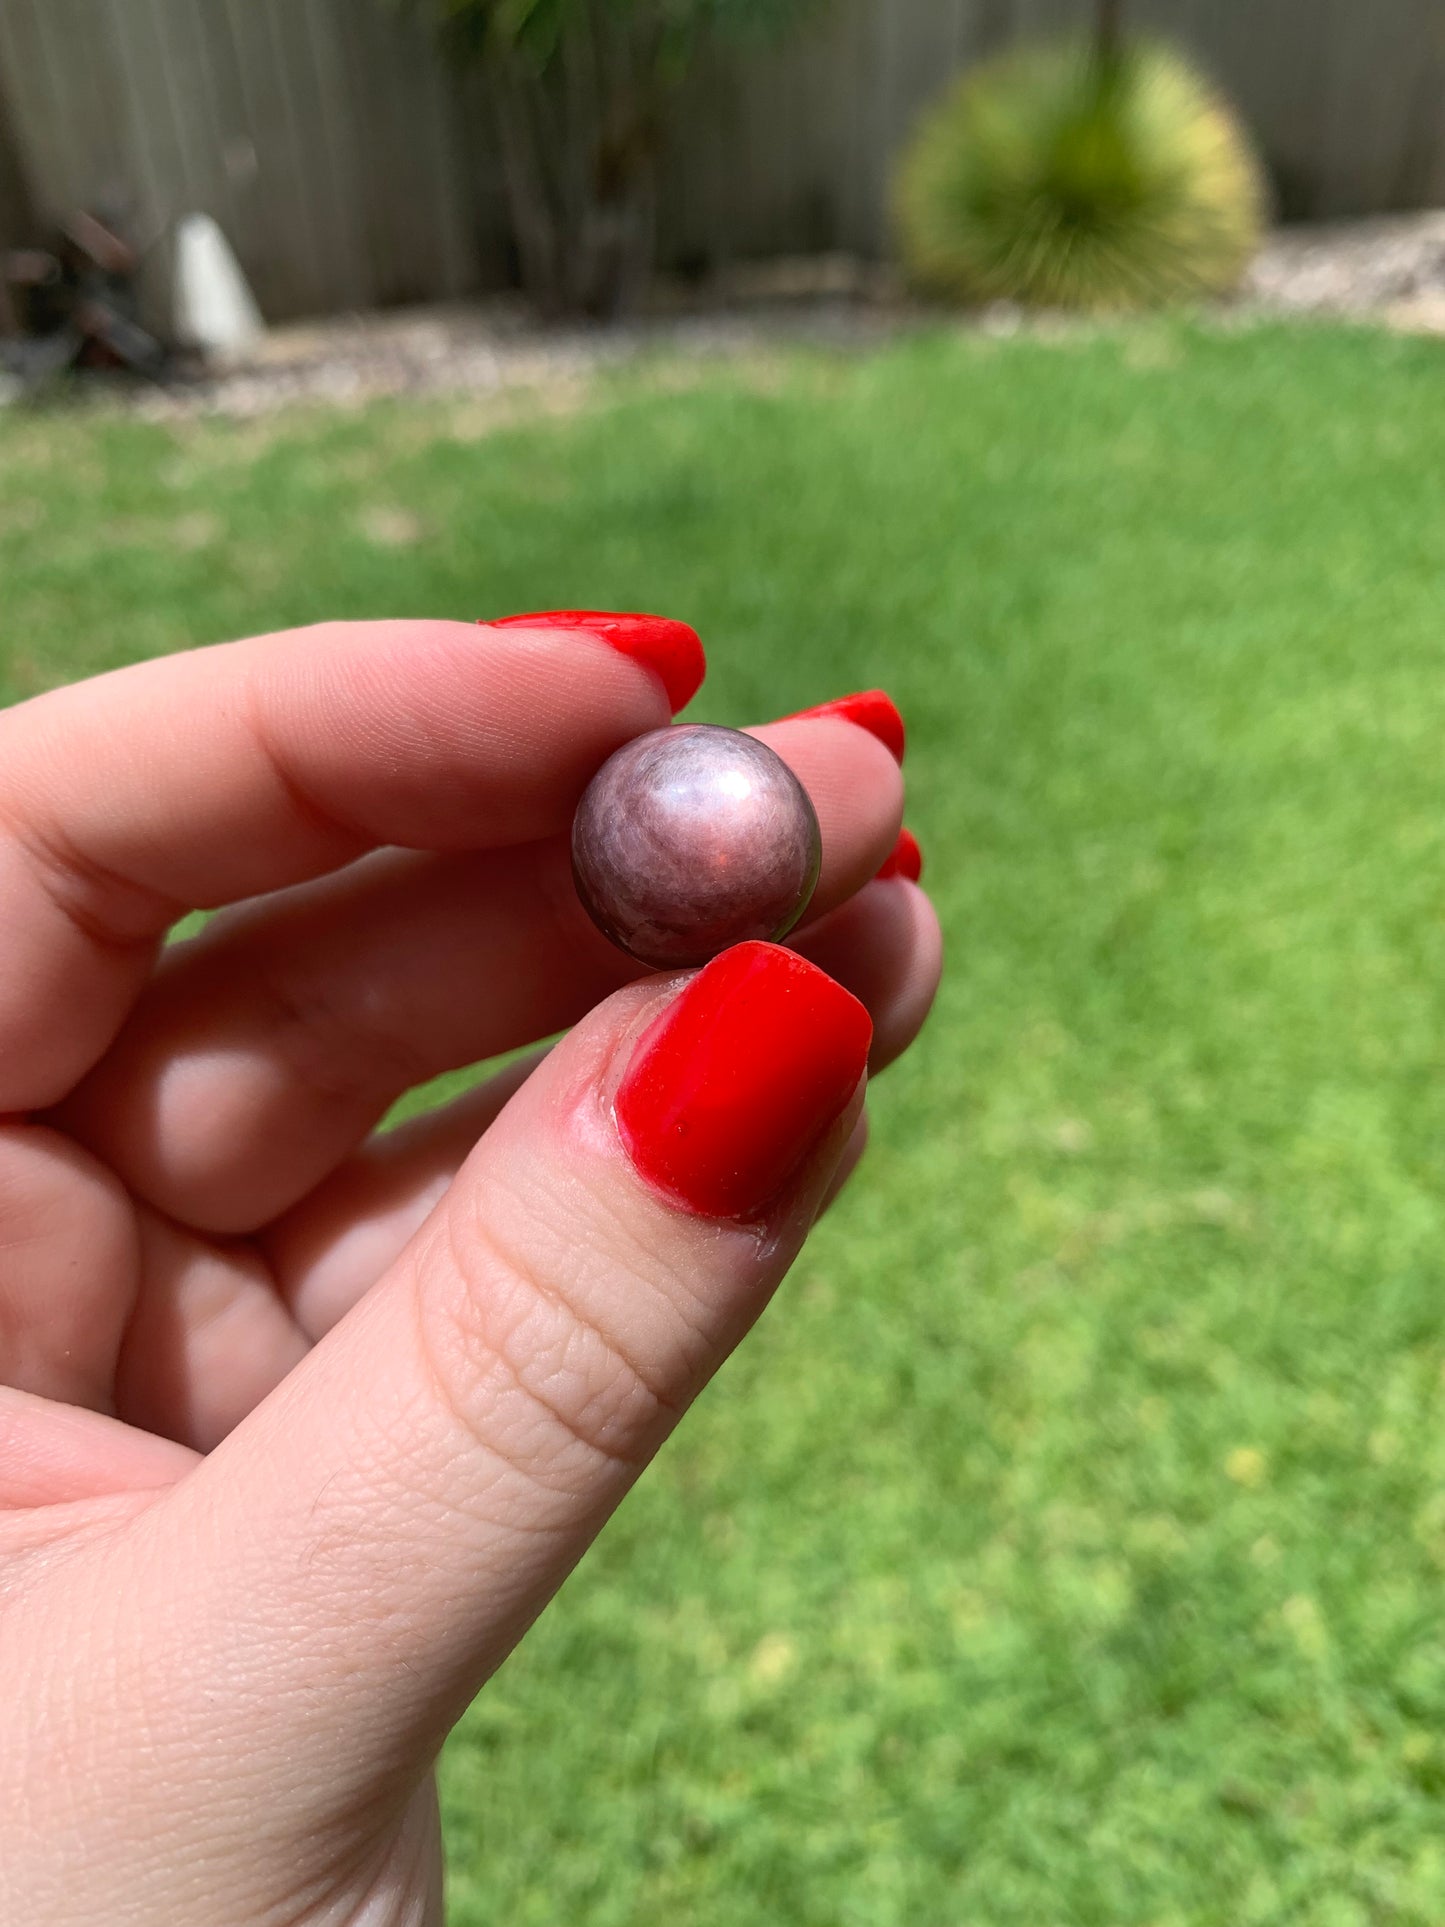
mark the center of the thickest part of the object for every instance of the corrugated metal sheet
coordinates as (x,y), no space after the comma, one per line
(350,167)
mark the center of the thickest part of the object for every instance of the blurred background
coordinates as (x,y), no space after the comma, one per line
(1068,1543)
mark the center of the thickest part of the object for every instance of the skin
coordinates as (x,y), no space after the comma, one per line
(248,1578)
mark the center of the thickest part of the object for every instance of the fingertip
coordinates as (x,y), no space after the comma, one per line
(741,1077)
(905,859)
(672,650)
(856,788)
(886,945)
(873,710)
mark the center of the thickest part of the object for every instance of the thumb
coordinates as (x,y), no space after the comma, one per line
(365,1548)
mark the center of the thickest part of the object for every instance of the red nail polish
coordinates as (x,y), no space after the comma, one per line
(740,1077)
(905,859)
(870,709)
(670,649)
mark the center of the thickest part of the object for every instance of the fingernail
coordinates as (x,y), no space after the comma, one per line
(672,650)
(740,1078)
(905,859)
(870,709)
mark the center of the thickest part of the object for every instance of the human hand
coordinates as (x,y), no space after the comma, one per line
(301,1426)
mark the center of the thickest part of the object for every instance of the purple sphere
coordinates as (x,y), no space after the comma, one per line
(693,838)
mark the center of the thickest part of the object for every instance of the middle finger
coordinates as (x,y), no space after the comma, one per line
(264,1050)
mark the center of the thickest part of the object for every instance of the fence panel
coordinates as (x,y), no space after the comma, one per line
(349,167)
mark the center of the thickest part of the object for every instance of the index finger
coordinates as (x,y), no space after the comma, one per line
(203,778)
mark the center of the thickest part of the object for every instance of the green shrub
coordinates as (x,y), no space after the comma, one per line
(581,95)
(1060,175)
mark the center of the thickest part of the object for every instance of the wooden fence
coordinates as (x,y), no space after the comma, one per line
(324,135)
(349,167)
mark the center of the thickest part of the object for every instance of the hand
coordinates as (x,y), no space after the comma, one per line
(301,1426)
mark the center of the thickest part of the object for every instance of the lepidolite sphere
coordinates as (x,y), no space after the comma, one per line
(693,838)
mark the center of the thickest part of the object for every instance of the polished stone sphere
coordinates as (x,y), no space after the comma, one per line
(693,838)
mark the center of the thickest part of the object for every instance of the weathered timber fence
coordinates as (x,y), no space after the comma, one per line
(349,167)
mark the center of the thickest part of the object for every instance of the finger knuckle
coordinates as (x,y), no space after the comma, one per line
(529,1374)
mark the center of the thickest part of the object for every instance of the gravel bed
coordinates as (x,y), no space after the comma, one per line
(478,350)
(1389,270)
(1393,269)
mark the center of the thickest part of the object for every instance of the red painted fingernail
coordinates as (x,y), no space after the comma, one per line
(870,709)
(740,1077)
(672,650)
(905,859)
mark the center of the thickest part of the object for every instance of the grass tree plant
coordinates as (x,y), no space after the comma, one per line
(1096,172)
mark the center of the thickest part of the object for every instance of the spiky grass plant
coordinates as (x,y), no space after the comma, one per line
(1070,176)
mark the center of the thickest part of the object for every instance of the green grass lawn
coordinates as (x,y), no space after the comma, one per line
(1068,1544)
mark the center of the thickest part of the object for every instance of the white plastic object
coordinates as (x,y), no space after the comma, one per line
(215,309)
